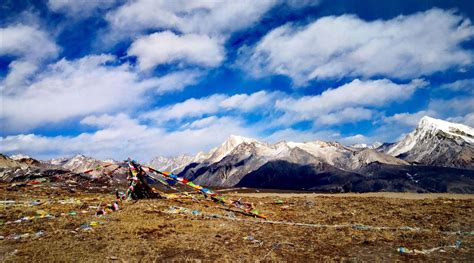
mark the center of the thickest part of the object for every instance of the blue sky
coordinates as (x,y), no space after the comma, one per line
(113,79)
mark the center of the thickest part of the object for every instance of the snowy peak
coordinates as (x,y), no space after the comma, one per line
(427,129)
(438,143)
(236,140)
(177,163)
(228,146)
(433,142)
(428,124)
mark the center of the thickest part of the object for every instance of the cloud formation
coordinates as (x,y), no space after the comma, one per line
(79,8)
(177,81)
(214,104)
(214,18)
(27,42)
(347,103)
(459,109)
(167,47)
(338,46)
(119,136)
(29,46)
(71,89)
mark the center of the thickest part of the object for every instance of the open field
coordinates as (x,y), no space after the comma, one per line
(413,196)
(358,227)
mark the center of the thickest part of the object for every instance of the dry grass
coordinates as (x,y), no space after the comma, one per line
(140,232)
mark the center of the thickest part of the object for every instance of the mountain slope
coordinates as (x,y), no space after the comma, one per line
(367,156)
(437,142)
(280,174)
(7,162)
(374,177)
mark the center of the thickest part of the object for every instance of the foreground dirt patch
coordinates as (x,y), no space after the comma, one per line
(358,227)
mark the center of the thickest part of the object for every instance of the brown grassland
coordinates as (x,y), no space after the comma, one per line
(143,231)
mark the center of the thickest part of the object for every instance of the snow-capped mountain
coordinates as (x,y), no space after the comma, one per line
(176,164)
(437,142)
(218,153)
(437,156)
(238,156)
(81,164)
(171,164)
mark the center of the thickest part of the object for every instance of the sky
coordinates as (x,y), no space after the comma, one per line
(146,78)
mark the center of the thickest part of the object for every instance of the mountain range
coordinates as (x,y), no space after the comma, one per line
(22,167)
(437,156)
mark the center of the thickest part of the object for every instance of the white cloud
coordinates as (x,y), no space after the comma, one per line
(346,103)
(68,89)
(358,138)
(27,42)
(29,46)
(466,85)
(467,119)
(460,105)
(18,73)
(245,102)
(345,115)
(334,47)
(79,8)
(204,122)
(409,119)
(71,89)
(215,18)
(107,121)
(120,137)
(167,47)
(177,81)
(456,109)
(350,103)
(217,103)
(189,108)
(290,134)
